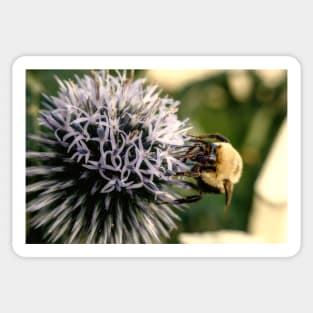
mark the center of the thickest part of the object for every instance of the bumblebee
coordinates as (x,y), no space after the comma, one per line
(217,166)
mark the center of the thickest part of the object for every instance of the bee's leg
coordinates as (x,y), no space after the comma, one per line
(195,172)
(191,152)
(188,199)
(228,186)
(188,174)
(209,136)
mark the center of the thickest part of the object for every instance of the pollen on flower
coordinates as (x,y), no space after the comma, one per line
(103,175)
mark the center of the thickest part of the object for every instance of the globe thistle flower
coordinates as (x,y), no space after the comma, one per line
(101,173)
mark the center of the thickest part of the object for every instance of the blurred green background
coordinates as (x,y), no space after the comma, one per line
(247,106)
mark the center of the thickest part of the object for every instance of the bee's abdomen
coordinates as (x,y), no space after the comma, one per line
(205,187)
(229,164)
(213,180)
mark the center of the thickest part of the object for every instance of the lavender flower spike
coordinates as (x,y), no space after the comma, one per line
(102,178)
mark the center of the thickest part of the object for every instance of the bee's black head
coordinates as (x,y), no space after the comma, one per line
(207,157)
(212,157)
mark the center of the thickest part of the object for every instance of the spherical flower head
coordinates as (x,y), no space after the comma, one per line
(102,172)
